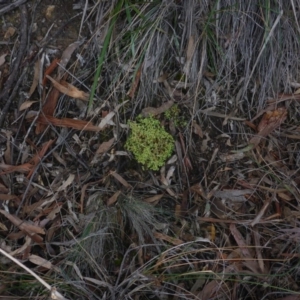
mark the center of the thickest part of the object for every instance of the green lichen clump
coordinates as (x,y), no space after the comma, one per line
(173,114)
(149,142)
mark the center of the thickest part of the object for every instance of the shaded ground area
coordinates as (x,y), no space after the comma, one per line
(199,202)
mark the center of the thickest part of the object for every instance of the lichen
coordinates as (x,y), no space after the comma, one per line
(150,144)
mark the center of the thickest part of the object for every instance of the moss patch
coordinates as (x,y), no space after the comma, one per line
(150,144)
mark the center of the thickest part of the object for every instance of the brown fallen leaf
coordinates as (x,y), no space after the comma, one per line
(249,261)
(27,243)
(69,89)
(51,216)
(50,69)
(231,157)
(66,57)
(47,110)
(178,211)
(39,261)
(270,121)
(66,183)
(113,199)
(105,146)
(69,123)
(5,197)
(9,32)
(136,82)
(26,105)
(167,238)
(262,211)
(152,111)
(24,168)
(197,129)
(29,166)
(258,250)
(37,158)
(23,225)
(49,11)
(187,162)
(2,59)
(240,241)
(51,101)
(106,119)
(189,54)
(120,179)
(3,227)
(212,232)
(36,77)
(153,200)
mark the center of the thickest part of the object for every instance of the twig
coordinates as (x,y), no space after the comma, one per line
(11,6)
(54,293)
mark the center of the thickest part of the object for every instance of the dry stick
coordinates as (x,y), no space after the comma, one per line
(11,6)
(15,71)
(54,294)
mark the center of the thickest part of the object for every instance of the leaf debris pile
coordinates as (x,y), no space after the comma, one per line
(219,219)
